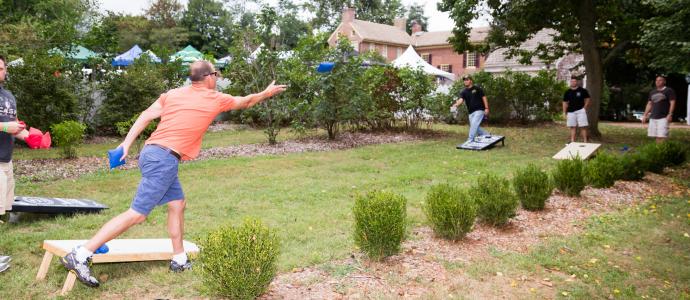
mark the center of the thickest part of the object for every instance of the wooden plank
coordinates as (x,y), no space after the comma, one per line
(125,250)
(69,283)
(584,150)
(45,264)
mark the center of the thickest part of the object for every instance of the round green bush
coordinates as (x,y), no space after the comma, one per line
(239,262)
(67,135)
(632,167)
(380,223)
(674,152)
(653,157)
(497,202)
(569,177)
(532,186)
(603,170)
(450,210)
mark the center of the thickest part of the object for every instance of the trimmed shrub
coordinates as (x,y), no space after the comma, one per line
(379,223)
(450,210)
(568,177)
(532,186)
(603,170)
(674,152)
(497,202)
(67,135)
(653,157)
(239,262)
(632,167)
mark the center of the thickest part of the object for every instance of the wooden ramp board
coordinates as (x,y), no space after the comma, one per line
(124,250)
(120,250)
(55,205)
(584,150)
(483,142)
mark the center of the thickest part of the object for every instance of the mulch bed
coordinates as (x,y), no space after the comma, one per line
(38,170)
(419,270)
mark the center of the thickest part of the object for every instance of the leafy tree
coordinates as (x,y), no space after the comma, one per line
(600,30)
(415,90)
(416,14)
(165,13)
(45,87)
(38,25)
(210,25)
(666,36)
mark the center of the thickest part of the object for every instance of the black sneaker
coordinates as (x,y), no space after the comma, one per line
(81,269)
(177,268)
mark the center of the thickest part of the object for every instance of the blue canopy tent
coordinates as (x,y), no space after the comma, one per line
(127,58)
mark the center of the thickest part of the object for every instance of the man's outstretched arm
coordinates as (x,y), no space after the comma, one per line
(251,100)
(153,112)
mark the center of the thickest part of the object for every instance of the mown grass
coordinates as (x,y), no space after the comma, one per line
(307,197)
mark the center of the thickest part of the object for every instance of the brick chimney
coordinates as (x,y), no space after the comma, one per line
(348,14)
(416,27)
(401,23)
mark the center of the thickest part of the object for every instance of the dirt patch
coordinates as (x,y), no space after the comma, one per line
(429,267)
(52,169)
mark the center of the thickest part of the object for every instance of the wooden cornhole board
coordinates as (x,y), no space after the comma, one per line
(584,150)
(121,250)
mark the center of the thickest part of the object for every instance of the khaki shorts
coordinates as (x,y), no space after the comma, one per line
(577,118)
(658,128)
(6,187)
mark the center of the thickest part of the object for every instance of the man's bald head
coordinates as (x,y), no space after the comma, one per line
(199,69)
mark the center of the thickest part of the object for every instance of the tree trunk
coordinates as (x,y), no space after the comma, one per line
(594,66)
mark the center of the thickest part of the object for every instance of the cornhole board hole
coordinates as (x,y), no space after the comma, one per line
(55,205)
(120,250)
(483,142)
(572,150)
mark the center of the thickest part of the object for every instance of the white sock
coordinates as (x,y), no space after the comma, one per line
(82,253)
(180,258)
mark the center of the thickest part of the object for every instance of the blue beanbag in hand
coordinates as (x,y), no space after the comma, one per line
(114,157)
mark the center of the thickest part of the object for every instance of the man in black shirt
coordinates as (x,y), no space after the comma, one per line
(10,129)
(659,110)
(477,106)
(575,104)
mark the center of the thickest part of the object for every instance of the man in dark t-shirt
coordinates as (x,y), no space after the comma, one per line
(659,110)
(575,103)
(477,106)
(9,129)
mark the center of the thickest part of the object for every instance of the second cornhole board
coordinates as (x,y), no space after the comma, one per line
(572,150)
(120,250)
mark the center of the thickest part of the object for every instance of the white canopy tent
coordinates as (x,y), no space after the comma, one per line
(411,59)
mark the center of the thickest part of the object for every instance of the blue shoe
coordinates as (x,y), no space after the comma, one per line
(81,269)
(177,268)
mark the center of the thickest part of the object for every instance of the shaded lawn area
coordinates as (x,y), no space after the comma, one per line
(306,197)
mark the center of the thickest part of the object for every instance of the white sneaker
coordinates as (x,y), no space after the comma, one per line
(4,267)
(5,259)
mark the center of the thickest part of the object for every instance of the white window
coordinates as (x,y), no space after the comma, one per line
(384,51)
(398,52)
(471,59)
(445,68)
(426,57)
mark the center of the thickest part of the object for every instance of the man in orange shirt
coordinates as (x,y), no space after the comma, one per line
(185,115)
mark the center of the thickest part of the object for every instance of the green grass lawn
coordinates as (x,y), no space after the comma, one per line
(307,197)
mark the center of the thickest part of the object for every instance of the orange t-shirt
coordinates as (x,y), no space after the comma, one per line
(187,113)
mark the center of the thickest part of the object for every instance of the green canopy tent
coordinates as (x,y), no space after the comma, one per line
(187,55)
(78,53)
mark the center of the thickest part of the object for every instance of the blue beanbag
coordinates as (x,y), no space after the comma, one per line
(102,249)
(114,157)
(325,67)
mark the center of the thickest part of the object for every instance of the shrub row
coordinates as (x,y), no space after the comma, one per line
(240,262)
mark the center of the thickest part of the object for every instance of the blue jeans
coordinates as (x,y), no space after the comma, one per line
(476,119)
(159,182)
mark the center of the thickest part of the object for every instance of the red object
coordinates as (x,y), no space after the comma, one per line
(46,141)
